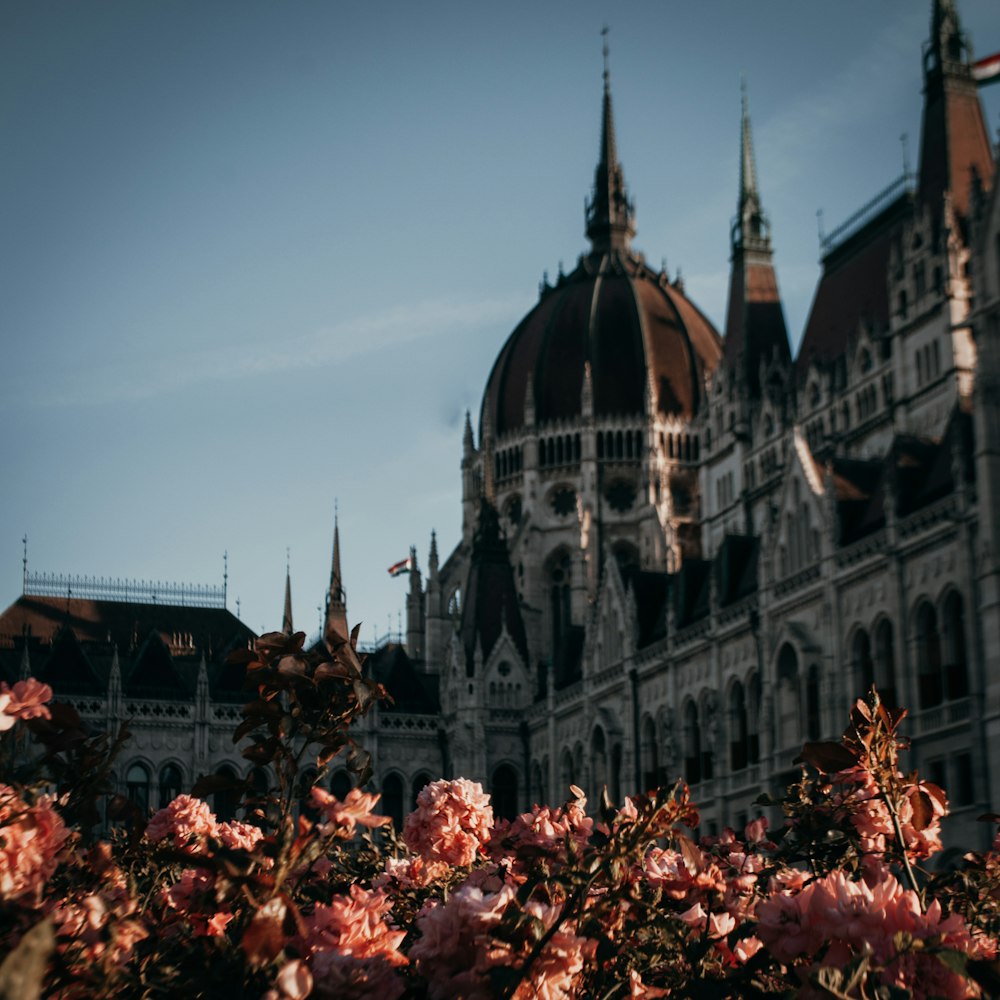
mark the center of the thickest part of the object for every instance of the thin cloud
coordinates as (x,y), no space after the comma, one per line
(402,324)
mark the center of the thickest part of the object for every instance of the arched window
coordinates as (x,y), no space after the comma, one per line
(885,664)
(789,710)
(814,724)
(619,445)
(227,800)
(340,784)
(137,786)
(599,761)
(567,773)
(650,756)
(692,744)
(615,789)
(504,792)
(931,691)
(170,784)
(864,665)
(956,671)
(421,779)
(392,799)
(753,720)
(738,729)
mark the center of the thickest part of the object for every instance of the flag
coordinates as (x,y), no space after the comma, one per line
(403,566)
(986,70)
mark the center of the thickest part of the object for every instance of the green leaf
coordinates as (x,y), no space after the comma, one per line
(953,960)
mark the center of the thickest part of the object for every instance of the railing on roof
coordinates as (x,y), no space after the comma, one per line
(867,212)
(126,591)
(397,638)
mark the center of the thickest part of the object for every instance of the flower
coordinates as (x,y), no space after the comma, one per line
(26,700)
(186,820)
(32,838)
(342,816)
(452,822)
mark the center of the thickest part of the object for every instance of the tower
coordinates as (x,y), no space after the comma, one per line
(336,598)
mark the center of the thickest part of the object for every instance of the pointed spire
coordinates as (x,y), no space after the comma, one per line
(954,143)
(286,618)
(610,223)
(468,444)
(336,599)
(755,322)
(750,228)
(432,557)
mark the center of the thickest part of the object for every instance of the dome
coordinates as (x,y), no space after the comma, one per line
(631,325)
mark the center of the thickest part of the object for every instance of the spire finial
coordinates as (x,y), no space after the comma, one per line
(750,229)
(225,580)
(609,212)
(286,618)
(24,564)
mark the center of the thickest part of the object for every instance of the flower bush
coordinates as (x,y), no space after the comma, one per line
(313,896)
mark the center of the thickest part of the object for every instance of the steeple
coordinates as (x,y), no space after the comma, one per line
(610,223)
(755,320)
(954,142)
(336,600)
(751,229)
(286,618)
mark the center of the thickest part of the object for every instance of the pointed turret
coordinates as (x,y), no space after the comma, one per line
(336,599)
(610,223)
(286,617)
(954,144)
(755,320)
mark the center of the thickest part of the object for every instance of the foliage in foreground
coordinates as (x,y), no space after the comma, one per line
(558,903)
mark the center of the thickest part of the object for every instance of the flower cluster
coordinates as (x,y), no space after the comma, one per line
(25,700)
(311,895)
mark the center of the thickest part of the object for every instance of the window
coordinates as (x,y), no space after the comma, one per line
(504,792)
(864,665)
(956,675)
(392,799)
(738,729)
(930,689)
(227,800)
(692,744)
(964,784)
(137,787)
(885,665)
(814,723)
(170,784)
(650,756)
(420,781)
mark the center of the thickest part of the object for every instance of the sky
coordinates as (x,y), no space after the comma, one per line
(258,258)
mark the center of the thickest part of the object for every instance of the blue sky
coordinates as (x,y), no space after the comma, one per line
(259,256)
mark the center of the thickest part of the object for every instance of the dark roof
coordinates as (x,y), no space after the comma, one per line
(690,587)
(568,661)
(853,288)
(736,568)
(650,591)
(71,644)
(624,320)
(490,597)
(410,690)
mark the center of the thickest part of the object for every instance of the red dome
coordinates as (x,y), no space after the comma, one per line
(631,324)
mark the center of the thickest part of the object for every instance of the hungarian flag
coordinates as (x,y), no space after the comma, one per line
(403,566)
(986,70)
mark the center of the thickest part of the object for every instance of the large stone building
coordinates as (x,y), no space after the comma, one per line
(683,553)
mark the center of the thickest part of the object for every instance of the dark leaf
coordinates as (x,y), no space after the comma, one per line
(986,973)
(65,716)
(264,938)
(827,757)
(240,657)
(355,632)
(209,784)
(923,809)
(953,960)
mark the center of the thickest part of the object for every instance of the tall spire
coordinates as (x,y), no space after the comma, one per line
(954,144)
(750,228)
(610,223)
(336,599)
(755,321)
(286,618)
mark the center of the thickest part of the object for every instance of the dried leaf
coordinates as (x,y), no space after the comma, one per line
(923,809)
(264,938)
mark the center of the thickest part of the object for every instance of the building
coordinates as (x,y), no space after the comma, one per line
(685,553)
(151,656)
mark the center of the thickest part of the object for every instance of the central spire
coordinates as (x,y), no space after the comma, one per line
(610,223)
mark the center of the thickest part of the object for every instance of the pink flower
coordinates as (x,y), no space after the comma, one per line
(294,982)
(341,817)
(237,836)
(638,990)
(32,839)
(451,823)
(26,700)
(186,820)
(354,925)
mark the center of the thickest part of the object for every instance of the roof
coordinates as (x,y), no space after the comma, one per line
(410,690)
(628,323)
(491,603)
(853,288)
(71,644)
